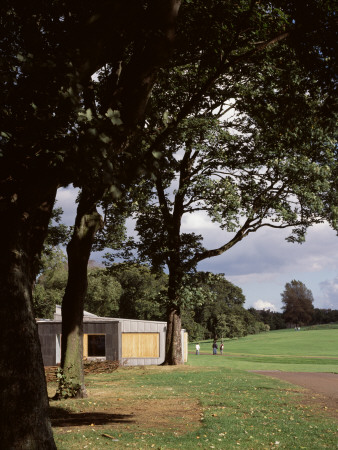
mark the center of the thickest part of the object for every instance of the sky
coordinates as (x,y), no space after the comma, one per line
(262,263)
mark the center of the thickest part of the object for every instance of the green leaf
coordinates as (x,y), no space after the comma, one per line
(114,116)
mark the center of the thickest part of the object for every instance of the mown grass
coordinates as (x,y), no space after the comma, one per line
(307,342)
(239,409)
(308,350)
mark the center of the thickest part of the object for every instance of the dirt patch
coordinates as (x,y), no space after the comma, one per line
(322,388)
(181,415)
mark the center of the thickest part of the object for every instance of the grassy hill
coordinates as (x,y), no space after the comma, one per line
(313,349)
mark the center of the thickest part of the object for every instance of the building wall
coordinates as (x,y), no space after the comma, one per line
(114,329)
(143,326)
(111,330)
(48,332)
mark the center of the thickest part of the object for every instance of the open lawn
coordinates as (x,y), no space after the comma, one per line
(208,403)
(308,350)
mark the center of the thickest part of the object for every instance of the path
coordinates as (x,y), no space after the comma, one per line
(325,384)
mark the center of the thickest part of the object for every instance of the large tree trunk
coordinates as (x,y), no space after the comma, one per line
(173,354)
(24,421)
(88,222)
(173,339)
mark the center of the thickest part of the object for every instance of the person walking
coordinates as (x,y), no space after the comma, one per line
(214,348)
(221,348)
(198,349)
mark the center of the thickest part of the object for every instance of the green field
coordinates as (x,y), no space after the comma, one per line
(219,404)
(308,350)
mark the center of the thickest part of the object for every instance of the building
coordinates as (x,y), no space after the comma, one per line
(131,342)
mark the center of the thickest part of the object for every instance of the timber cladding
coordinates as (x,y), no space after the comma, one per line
(129,341)
(140,345)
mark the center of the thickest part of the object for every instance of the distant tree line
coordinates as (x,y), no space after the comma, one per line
(213,305)
(298,309)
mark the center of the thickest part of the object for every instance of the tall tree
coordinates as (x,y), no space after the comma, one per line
(298,303)
(49,53)
(257,149)
(132,72)
(235,43)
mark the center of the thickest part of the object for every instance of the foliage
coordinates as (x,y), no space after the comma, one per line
(67,388)
(103,293)
(141,291)
(298,303)
(321,316)
(50,285)
(220,314)
(274,319)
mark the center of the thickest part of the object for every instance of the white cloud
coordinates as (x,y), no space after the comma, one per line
(66,199)
(199,223)
(261,304)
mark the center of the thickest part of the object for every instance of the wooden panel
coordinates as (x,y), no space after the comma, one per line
(140,345)
(85,346)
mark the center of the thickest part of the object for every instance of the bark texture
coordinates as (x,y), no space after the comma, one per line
(88,222)
(24,421)
(173,339)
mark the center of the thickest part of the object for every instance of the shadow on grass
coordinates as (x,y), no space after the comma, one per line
(60,417)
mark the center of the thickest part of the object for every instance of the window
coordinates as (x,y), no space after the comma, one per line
(94,345)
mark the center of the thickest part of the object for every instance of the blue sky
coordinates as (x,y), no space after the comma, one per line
(263,262)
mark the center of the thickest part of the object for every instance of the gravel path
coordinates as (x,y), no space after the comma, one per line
(325,384)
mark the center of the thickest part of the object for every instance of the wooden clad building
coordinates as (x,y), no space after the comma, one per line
(131,342)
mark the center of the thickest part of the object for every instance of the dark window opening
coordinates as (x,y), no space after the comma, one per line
(96,345)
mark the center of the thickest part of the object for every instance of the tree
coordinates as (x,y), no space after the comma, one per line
(213,68)
(273,319)
(269,171)
(50,53)
(49,286)
(298,303)
(90,231)
(215,311)
(222,315)
(264,175)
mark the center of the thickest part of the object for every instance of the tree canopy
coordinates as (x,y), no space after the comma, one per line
(298,303)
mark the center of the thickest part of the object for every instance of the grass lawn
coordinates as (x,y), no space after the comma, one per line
(308,350)
(208,403)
